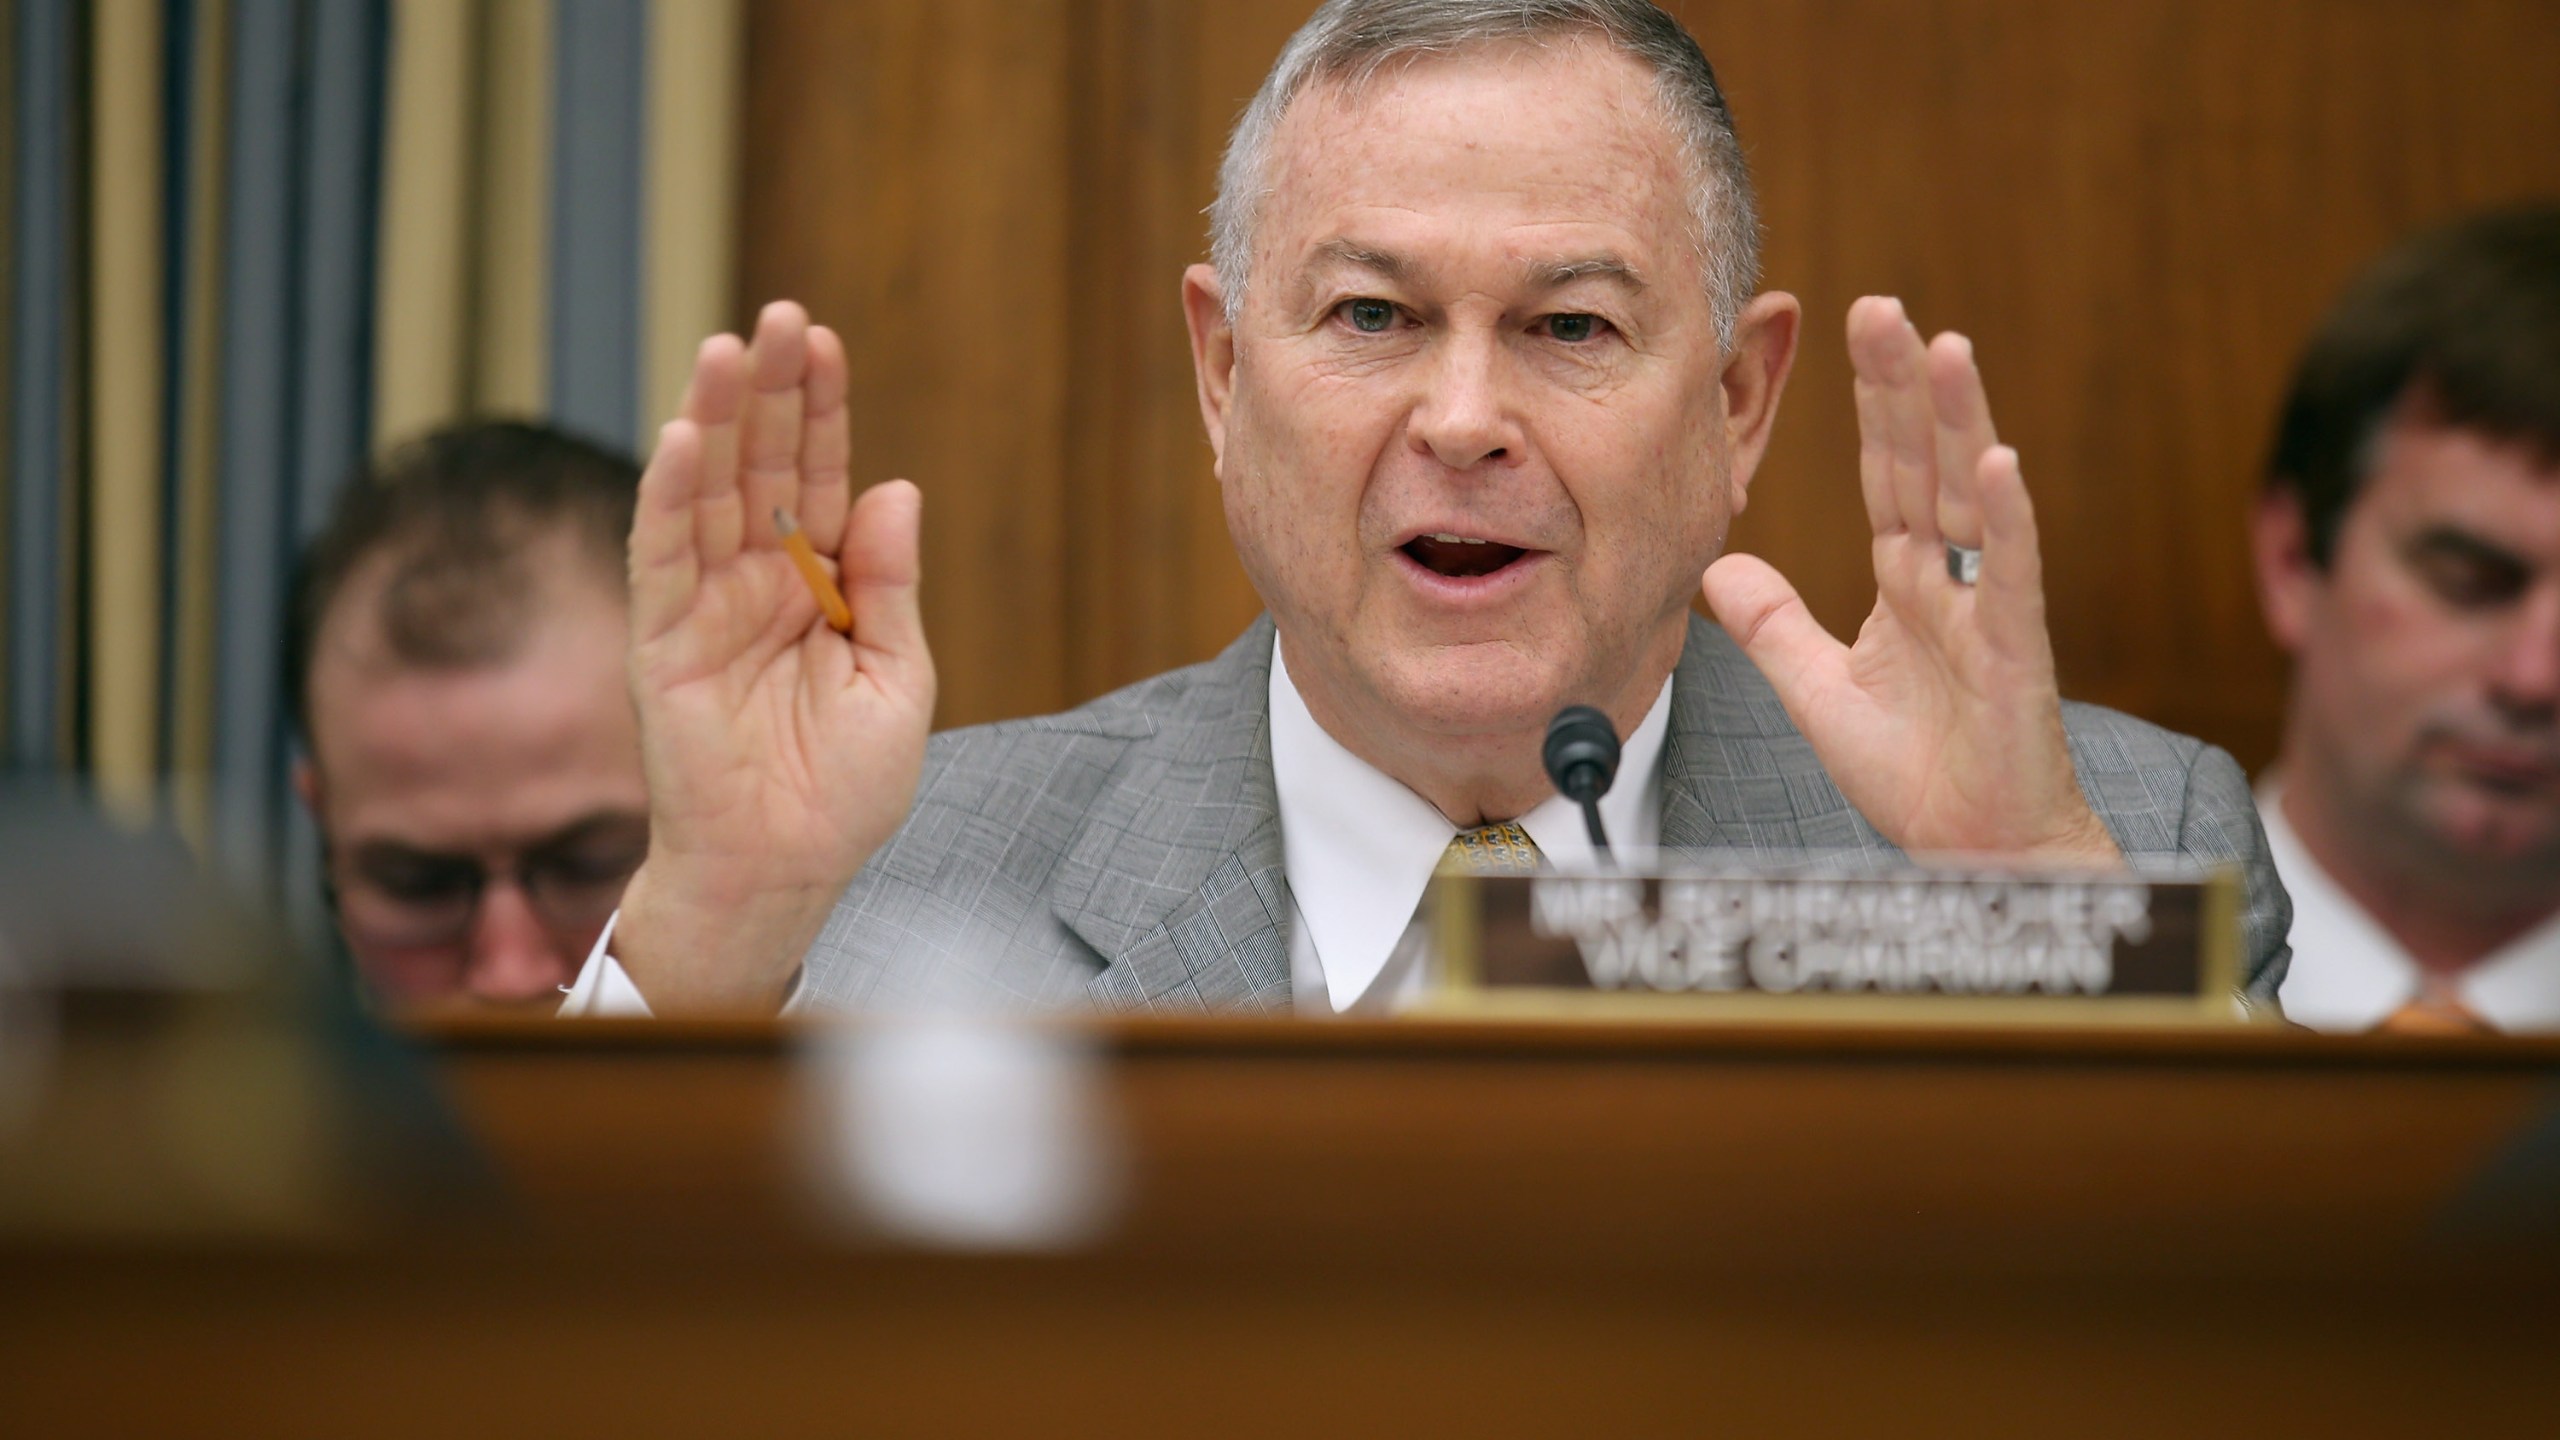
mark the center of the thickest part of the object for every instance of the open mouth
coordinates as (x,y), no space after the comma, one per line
(1460,557)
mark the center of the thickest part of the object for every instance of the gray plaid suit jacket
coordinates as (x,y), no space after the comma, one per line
(1127,855)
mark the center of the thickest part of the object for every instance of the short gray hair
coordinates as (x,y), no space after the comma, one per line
(1350,41)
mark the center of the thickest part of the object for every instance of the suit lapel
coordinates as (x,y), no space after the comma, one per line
(1176,880)
(1688,823)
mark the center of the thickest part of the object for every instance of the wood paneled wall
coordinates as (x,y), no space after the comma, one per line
(2136,209)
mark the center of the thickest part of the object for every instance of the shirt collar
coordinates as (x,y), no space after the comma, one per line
(2348,973)
(1360,847)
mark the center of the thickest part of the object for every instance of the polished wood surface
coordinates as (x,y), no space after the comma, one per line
(1686,1146)
(2136,209)
(908,177)
(2048,1151)
(1444,1228)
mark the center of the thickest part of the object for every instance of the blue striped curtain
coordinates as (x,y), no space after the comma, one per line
(299,186)
(259,239)
(43,239)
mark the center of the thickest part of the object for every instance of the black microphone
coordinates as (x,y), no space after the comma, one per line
(1582,759)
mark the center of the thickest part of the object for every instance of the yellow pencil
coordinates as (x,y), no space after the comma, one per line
(829,598)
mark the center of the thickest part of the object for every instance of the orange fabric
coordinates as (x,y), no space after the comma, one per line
(2434,1015)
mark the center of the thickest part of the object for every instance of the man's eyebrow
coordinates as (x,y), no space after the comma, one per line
(616,824)
(2452,539)
(1557,273)
(1382,263)
(594,822)
(2449,542)
(400,852)
(1549,273)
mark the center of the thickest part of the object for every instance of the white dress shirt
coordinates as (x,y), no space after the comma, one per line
(1358,848)
(2349,973)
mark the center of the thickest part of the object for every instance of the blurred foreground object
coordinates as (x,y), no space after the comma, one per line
(169,1070)
(2408,553)
(1499,1228)
(963,1131)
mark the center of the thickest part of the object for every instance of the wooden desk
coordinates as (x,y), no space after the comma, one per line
(1412,1227)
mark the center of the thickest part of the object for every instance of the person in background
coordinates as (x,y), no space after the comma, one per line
(2408,556)
(472,759)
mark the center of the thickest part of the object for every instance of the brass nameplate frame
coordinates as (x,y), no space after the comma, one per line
(1919,945)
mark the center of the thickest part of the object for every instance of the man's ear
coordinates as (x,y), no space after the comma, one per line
(2289,581)
(1213,352)
(306,786)
(1755,375)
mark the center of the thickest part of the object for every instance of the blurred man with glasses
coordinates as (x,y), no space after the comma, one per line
(456,663)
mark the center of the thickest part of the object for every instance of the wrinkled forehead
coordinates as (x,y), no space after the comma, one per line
(561,669)
(467,758)
(1500,153)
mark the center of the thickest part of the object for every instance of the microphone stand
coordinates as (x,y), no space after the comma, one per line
(1581,756)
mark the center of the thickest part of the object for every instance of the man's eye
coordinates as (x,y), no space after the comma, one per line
(1369,317)
(588,866)
(421,881)
(1572,329)
(2470,581)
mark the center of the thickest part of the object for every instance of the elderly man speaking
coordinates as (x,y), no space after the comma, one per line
(1481,362)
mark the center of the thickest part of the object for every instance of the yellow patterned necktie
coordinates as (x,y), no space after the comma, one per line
(1503,849)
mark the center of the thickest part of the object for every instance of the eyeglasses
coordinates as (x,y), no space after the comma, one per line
(391,895)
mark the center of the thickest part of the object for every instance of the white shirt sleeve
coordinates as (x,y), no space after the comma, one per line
(603,988)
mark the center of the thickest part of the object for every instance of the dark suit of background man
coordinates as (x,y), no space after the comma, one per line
(458,631)
(1486,378)
(2408,548)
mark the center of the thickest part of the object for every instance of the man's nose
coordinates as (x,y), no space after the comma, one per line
(513,957)
(2527,681)
(1464,417)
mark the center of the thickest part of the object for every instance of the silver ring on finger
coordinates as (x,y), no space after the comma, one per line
(1964,563)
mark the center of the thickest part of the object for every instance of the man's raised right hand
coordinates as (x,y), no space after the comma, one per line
(779,753)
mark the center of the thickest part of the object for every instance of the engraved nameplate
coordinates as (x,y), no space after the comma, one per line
(2134,945)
